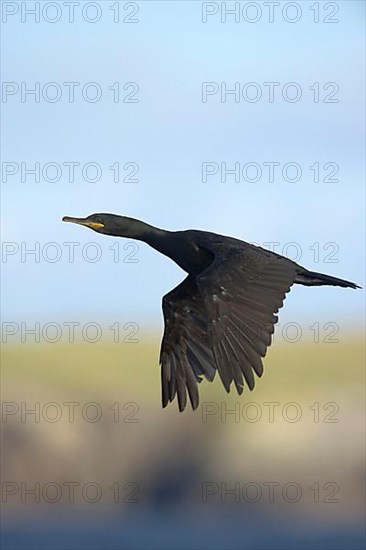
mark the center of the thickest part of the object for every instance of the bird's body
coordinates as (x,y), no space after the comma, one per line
(222,316)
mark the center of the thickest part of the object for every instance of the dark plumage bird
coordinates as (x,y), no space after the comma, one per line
(222,316)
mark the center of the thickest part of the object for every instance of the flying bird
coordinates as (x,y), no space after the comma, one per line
(222,316)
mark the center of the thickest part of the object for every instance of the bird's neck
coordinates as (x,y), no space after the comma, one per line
(153,236)
(177,245)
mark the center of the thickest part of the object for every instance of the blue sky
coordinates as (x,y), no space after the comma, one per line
(169,133)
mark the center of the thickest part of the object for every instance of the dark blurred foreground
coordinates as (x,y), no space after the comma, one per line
(217,529)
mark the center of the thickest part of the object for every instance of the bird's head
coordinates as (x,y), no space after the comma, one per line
(108,224)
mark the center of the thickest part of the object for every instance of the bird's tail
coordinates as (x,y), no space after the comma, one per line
(312,278)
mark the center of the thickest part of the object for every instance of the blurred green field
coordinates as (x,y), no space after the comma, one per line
(109,370)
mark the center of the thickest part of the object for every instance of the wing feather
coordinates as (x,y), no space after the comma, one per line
(222,320)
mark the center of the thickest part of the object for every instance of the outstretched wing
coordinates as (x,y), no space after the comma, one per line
(185,350)
(242,293)
(222,319)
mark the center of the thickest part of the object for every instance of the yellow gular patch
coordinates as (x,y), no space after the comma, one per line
(95,225)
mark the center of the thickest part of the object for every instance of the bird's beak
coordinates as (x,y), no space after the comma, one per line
(83,221)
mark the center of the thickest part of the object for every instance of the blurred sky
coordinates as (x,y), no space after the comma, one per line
(169,133)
